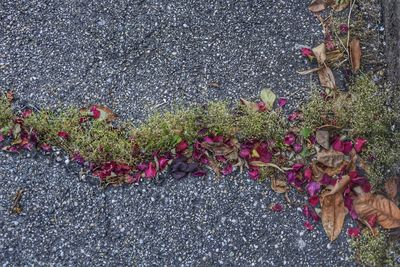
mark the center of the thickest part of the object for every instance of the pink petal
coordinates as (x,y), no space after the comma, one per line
(254,173)
(282,102)
(227,170)
(359,144)
(353,232)
(291,177)
(261,106)
(181,146)
(1,138)
(344,28)
(297,148)
(46,147)
(199,173)
(309,226)
(313,188)
(96,113)
(221,158)
(338,145)
(244,153)
(372,220)
(308,174)
(163,162)
(347,147)
(307,52)
(141,166)
(27,113)
(78,158)
(151,171)
(208,140)
(297,167)
(294,116)
(218,139)
(289,139)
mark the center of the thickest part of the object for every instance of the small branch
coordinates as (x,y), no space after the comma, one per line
(348,22)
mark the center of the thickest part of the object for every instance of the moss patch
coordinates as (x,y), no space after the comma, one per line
(6,115)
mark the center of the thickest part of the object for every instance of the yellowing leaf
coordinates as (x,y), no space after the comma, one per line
(388,214)
(332,214)
(330,158)
(268,97)
(355,54)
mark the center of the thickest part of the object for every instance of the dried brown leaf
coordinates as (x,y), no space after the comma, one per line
(330,158)
(388,214)
(250,105)
(340,185)
(10,96)
(326,77)
(355,54)
(279,185)
(333,213)
(304,72)
(392,188)
(320,53)
(342,5)
(317,6)
(322,137)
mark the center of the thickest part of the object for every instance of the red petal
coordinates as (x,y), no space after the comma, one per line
(313,188)
(227,170)
(261,106)
(353,232)
(309,226)
(372,220)
(348,146)
(289,139)
(254,173)
(294,116)
(297,167)
(96,113)
(63,135)
(314,200)
(297,148)
(244,153)
(276,207)
(1,138)
(308,174)
(338,145)
(163,162)
(360,142)
(27,113)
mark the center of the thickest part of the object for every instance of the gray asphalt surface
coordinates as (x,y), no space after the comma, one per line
(133,56)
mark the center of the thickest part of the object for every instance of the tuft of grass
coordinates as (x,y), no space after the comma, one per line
(317,111)
(260,125)
(6,115)
(163,131)
(219,119)
(372,250)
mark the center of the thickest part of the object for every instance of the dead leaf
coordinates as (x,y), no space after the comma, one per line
(322,138)
(268,97)
(340,5)
(10,96)
(263,164)
(330,158)
(320,53)
(340,185)
(317,6)
(333,213)
(16,206)
(392,188)
(279,185)
(388,214)
(334,56)
(355,54)
(326,77)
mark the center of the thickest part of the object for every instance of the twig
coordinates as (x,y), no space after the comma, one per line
(348,22)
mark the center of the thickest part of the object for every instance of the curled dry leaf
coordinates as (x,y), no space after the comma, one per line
(388,214)
(326,77)
(392,188)
(279,185)
(317,6)
(263,164)
(333,213)
(355,54)
(251,105)
(322,138)
(320,53)
(330,158)
(304,72)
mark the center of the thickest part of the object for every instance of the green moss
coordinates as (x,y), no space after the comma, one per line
(219,119)
(163,131)
(6,115)
(96,141)
(260,125)
(372,250)
(317,111)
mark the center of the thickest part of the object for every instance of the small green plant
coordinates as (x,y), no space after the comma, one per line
(6,115)
(317,110)
(163,131)
(260,125)
(372,250)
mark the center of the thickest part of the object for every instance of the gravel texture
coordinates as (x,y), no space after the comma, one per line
(137,56)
